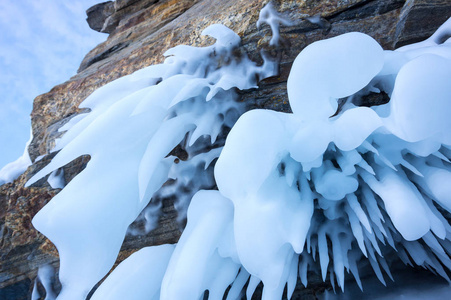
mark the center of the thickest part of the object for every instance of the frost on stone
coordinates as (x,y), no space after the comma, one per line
(132,131)
(337,189)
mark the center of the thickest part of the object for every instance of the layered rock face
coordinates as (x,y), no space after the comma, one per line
(140,31)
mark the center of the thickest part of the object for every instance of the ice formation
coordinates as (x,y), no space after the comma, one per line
(329,188)
(134,124)
(45,277)
(362,184)
(56,179)
(149,263)
(271,17)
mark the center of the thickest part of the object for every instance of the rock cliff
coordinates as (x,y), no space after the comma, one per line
(140,31)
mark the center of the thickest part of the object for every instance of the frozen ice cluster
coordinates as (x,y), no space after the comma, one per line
(333,188)
(133,125)
(330,191)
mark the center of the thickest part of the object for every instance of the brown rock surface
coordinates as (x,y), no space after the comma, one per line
(141,31)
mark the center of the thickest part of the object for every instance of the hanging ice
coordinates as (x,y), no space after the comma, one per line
(133,125)
(378,174)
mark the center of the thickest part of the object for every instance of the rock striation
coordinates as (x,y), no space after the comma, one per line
(140,31)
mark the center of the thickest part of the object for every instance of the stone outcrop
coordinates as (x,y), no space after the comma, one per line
(98,13)
(140,32)
(420,18)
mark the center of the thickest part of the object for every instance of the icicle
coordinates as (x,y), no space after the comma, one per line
(354,269)
(385,161)
(303,269)
(404,257)
(409,166)
(416,251)
(338,261)
(366,146)
(374,264)
(332,280)
(356,230)
(45,275)
(293,276)
(238,285)
(323,253)
(371,204)
(355,205)
(35,293)
(253,283)
(364,165)
(384,266)
(441,156)
(401,202)
(432,242)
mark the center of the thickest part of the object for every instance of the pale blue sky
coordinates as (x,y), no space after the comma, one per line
(41,45)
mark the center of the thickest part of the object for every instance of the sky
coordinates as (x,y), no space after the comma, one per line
(42,44)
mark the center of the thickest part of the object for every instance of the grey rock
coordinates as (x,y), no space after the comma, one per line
(120,4)
(98,13)
(419,20)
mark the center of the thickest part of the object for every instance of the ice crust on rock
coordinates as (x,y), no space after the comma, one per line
(271,17)
(333,192)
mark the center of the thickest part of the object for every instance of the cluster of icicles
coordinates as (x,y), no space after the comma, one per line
(296,192)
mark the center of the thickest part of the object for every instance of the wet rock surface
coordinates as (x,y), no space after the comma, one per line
(140,32)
